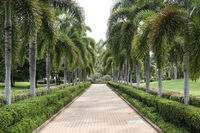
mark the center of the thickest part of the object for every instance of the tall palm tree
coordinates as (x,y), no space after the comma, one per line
(27,11)
(47,37)
(72,8)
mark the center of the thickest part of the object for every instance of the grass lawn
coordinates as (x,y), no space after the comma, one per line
(19,86)
(177,85)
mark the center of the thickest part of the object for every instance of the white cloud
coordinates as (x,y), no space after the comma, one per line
(97,13)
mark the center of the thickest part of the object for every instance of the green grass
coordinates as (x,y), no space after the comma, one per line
(177,86)
(19,86)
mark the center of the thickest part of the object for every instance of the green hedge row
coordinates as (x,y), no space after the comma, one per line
(150,113)
(171,111)
(25,116)
(194,100)
(22,95)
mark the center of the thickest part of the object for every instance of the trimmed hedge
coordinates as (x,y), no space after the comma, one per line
(171,111)
(25,116)
(194,100)
(150,113)
(22,95)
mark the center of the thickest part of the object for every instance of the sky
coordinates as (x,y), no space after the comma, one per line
(97,13)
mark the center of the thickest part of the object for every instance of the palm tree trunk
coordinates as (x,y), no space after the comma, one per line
(75,77)
(175,72)
(112,73)
(127,72)
(169,74)
(160,87)
(118,76)
(65,71)
(48,70)
(8,51)
(72,77)
(138,74)
(186,77)
(32,65)
(131,77)
(147,72)
(69,77)
(80,76)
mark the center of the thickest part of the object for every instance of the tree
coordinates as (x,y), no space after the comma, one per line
(72,8)
(26,11)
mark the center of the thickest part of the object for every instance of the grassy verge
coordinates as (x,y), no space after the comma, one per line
(19,86)
(25,116)
(170,116)
(177,86)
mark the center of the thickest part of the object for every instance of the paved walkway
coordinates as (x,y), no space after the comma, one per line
(98,110)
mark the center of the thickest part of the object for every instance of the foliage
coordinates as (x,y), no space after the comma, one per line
(19,95)
(174,112)
(25,116)
(150,113)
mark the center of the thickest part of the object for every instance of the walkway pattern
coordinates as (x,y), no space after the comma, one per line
(98,110)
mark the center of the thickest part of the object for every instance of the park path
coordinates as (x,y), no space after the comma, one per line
(98,110)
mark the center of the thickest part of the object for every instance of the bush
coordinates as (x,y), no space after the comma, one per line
(175,96)
(22,95)
(107,78)
(150,112)
(25,116)
(171,111)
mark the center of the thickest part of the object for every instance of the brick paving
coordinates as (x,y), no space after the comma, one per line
(98,110)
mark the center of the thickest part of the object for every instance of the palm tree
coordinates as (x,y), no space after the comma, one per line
(47,39)
(27,11)
(72,8)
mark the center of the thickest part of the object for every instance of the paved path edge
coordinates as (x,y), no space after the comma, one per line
(60,111)
(139,113)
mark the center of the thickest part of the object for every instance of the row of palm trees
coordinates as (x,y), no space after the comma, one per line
(165,30)
(53,29)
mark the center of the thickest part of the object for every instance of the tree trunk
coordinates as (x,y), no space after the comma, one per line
(32,65)
(112,73)
(65,71)
(175,72)
(186,77)
(124,73)
(169,74)
(8,51)
(118,76)
(48,70)
(72,77)
(75,76)
(160,87)
(147,72)
(127,72)
(69,77)
(131,77)
(138,74)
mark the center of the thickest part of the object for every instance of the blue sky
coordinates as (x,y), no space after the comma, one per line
(97,13)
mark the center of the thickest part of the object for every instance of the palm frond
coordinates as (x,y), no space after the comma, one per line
(142,15)
(71,7)
(120,15)
(163,28)
(195,49)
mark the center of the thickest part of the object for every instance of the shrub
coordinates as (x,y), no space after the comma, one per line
(171,111)
(107,78)
(175,96)
(25,116)
(150,112)
(22,95)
